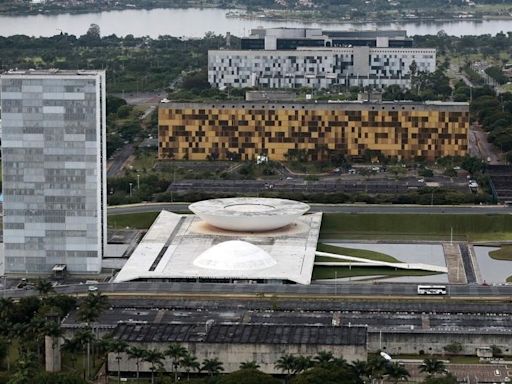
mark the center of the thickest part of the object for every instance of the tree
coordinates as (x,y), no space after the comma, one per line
(212,366)
(117,347)
(323,358)
(286,364)
(496,351)
(155,358)
(84,337)
(72,346)
(396,372)
(89,311)
(176,352)
(376,368)
(189,363)
(26,369)
(330,374)
(249,365)
(248,376)
(59,378)
(94,31)
(454,348)
(446,379)
(44,287)
(138,355)
(360,370)
(432,366)
(303,363)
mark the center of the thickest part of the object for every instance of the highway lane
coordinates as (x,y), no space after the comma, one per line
(341,208)
(154,288)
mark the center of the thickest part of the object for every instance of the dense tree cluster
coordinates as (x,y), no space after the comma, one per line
(132,63)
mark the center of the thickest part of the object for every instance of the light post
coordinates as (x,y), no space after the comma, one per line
(131,184)
(138,182)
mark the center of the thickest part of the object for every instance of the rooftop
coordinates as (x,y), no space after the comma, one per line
(313,104)
(51,72)
(178,246)
(249,213)
(242,334)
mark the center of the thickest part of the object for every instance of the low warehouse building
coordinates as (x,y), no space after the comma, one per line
(233,344)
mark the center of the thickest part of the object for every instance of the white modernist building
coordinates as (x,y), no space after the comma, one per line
(238,239)
(317,67)
(311,57)
(53,162)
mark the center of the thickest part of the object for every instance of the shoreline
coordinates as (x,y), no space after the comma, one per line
(241,13)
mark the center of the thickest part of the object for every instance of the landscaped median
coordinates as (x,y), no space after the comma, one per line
(470,227)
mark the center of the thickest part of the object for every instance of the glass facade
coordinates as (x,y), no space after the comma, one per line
(53,171)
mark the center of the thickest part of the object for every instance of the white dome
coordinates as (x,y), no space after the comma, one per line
(249,214)
(234,255)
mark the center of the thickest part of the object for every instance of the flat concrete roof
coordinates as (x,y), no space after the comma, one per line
(312,104)
(173,242)
(51,72)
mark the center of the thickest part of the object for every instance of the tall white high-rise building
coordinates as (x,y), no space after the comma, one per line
(54,177)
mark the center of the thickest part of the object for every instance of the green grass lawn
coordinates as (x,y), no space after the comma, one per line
(504,253)
(362,253)
(415,226)
(141,220)
(339,272)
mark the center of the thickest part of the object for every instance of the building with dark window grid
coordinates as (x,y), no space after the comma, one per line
(315,131)
(308,57)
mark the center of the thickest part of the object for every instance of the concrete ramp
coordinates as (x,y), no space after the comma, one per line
(361,262)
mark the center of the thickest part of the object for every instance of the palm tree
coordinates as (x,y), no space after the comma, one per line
(137,354)
(323,358)
(286,363)
(249,365)
(190,363)
(396,372)
(84,337)
(117,347)
(212,366)
(89,311)
(176,352)
(154,358)
(376,368)
(302,363)
(72,346)
(44,287)
(432,366)
(360,369)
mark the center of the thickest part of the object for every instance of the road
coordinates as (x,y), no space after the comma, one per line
(217,290)
(119,159)
(488,152)
(341,208)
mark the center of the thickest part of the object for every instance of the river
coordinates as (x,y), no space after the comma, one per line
(194,22)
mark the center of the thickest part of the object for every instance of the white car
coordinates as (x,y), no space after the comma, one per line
(92,288)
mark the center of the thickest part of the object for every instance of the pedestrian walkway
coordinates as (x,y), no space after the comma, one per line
(456,271)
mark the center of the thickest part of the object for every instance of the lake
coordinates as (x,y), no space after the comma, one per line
(194,22)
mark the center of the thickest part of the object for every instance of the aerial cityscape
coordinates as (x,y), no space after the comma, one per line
(256,191)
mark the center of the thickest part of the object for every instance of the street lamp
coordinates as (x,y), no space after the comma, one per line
(131,184)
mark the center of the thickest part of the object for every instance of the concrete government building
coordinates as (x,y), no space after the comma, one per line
(305,57)
(54,181)
(226,130)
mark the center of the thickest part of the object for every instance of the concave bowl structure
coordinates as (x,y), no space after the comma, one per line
(249,214)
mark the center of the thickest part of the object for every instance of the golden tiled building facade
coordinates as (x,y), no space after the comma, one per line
(222,130)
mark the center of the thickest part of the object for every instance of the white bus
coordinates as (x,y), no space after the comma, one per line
(431,289)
